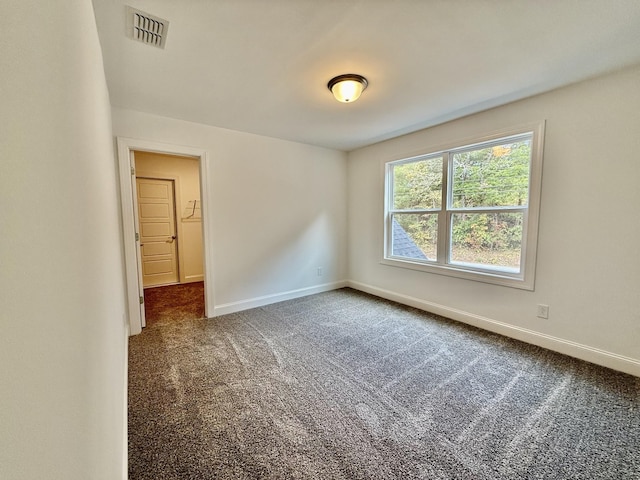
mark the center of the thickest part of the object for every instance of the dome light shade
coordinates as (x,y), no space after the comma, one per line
(347,88)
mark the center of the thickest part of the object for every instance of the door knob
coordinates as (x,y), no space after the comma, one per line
(173,237)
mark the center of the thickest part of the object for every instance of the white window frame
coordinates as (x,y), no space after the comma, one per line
(525,278)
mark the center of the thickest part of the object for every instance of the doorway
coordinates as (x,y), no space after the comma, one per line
(170,232)
(146,160)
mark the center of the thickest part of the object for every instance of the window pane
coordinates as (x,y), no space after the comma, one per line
(496,176)
(415,236)
(418,184)
(492,240)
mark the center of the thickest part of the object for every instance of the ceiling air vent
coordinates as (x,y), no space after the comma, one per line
(146,28)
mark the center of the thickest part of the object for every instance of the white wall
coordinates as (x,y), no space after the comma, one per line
(62,331)
(276,209)
(588,267)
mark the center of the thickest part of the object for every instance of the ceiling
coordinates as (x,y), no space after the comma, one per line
(262,66)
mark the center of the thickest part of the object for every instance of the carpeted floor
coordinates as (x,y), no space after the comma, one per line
(184,301)
(343,385)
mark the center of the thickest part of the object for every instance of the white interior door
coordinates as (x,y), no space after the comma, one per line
(157,223)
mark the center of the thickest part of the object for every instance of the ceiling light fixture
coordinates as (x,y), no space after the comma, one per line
(347,88)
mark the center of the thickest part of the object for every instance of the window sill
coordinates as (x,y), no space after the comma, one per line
(503,279)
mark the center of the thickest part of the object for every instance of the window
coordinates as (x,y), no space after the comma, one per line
(469,211)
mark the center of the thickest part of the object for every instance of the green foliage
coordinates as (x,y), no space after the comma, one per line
(487,232)
(492,177)
(423,230)
(418,184)
(496,176)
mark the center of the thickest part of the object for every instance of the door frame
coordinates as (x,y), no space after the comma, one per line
(129,207)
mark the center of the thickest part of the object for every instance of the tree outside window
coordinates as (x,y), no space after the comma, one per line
(468,208)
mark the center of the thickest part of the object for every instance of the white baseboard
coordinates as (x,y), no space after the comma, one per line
(567,347)
(193,278)
(233,307)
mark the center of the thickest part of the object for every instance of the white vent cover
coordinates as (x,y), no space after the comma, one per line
(146,28)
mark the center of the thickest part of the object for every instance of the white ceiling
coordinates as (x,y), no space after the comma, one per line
(262,66)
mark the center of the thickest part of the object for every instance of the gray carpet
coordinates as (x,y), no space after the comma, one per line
(343,385)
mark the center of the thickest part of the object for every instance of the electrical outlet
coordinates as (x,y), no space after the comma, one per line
(543,311)
(319,271)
